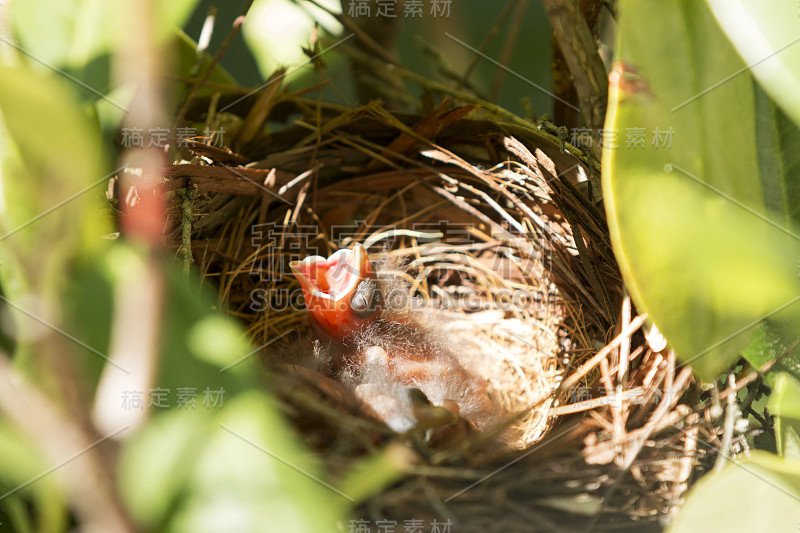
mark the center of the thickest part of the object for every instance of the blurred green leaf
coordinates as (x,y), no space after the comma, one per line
(77,38)
(88,309)
(189,357)
(52,166)
(785,399)
(778,143)
(73,33)
(778,159)
(200,349)
(14,513)
(220,466)
(271,482)
(697,246)
(48,30)
(277,30)
(201,467)
(217,340)
(767,35)
(20,463)
(784,403)
(761,493)
(240,470)
(51,181)
(776,342)
(376,472)
(156,464)
(57,145)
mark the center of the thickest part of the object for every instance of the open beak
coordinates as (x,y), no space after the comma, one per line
(329,286)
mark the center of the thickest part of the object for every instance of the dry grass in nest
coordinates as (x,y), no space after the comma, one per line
(456,206)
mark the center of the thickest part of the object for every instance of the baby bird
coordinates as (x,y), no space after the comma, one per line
(396,367)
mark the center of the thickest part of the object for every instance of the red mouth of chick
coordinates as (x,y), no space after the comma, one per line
(328,286)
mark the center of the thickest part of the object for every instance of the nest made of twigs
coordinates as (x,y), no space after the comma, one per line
(458,207)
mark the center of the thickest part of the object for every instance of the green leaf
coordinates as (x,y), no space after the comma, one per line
(78,39)
(784,403)
(55,141)
(203,467)
(241,470)
(51,178)
(52,166)
(767,35)
(778,159)
(202,357)
(73,33)
(21,462)
(14,513)
(277,30)
(775,346)
(87,305)
(156,464)
(376,472)
(197,342)
(698,248)
(779,165)
(761,493)
(201,348)
(778,143)
(269,483)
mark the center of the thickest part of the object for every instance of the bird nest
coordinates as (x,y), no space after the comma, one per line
(496,235)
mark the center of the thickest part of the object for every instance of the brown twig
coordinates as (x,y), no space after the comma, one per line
(579,374)
(580,51)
